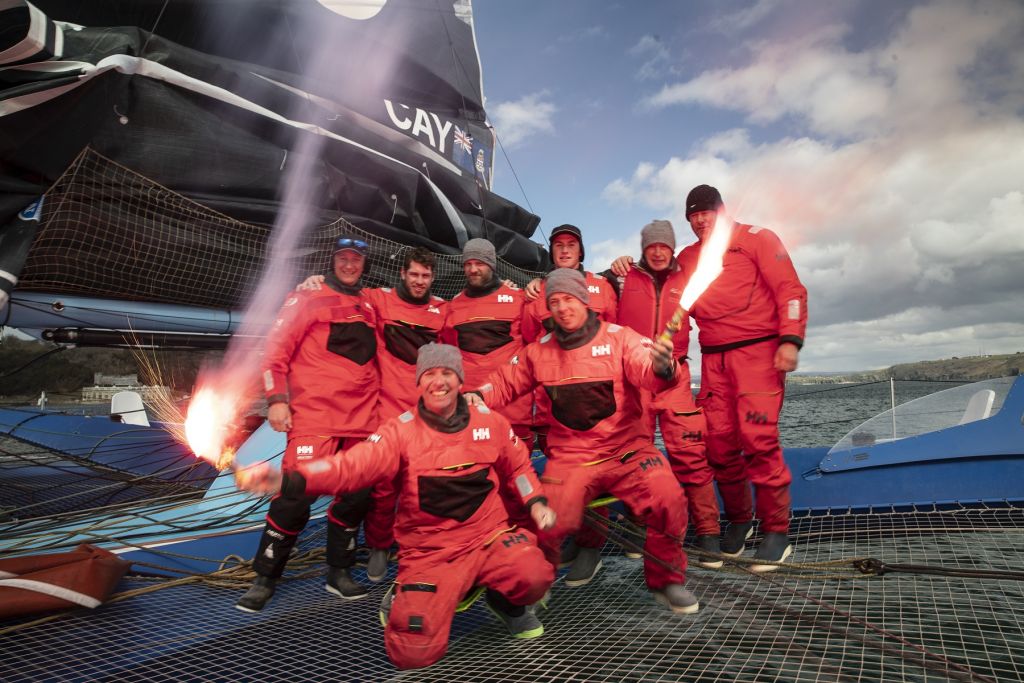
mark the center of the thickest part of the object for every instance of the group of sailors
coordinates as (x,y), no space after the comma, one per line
(418,416)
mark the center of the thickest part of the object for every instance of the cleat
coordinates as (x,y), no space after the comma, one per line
(340,582)
(735,537)
(377,564)
(524,626)
(709,544)
(584,567)
(679,599)
(385,605)
(774,548)
(259,593)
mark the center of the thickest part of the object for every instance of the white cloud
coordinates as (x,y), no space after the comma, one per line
(898,191)
(518,121)
(656,57)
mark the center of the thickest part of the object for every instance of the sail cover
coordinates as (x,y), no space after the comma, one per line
(212,100)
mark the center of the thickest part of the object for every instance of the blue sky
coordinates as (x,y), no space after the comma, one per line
(884,141)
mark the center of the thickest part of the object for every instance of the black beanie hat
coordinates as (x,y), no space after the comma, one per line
(566,229)
(703,198)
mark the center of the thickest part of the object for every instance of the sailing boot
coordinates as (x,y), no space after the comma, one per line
(735,537)
(709,544)
(702,505)
(341,583)
(569,552)
(679,599)
(521,622)
(774,548)
(341,555)
(584,567)
(377,564)
(385,605)
(259,593)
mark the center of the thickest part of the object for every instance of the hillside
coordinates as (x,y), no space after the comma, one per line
(969,369)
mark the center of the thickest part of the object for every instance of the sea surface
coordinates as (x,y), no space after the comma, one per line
(812,415)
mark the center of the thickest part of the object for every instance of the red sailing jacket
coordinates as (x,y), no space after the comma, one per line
(757,295)
(593,389)
(537,317)
(320,359)
(647,311)
(487,331)
(402,328)
(448,482)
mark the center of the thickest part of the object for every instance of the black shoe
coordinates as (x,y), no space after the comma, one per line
(735,536)
(259,593)
(679,599)
(377,564)
(584,567)
(637,533)
(774,548)
(340,582)
(709,544)
(568,554)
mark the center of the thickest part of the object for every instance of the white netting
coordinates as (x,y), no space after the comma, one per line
(107,231)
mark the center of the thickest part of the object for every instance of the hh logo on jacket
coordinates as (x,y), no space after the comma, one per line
(481,434)
(601,350)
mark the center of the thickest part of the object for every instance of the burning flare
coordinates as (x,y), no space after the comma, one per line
(207,427)
(709,266)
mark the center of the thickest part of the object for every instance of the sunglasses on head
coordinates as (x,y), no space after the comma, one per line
(349,243)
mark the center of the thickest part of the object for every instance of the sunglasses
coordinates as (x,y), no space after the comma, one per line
(349,243)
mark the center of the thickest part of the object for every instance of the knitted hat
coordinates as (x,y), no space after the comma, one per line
(703,198)
(658,232)
(566,229)
(568,281)
(439,356)
(481,250)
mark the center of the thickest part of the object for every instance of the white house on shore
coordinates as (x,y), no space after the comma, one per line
(105,386)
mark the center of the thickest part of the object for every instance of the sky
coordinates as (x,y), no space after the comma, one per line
(883,141)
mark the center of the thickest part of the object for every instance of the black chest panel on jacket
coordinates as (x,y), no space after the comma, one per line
(484,336)
(355,341)
(582,405)
(455,497)
(403,341)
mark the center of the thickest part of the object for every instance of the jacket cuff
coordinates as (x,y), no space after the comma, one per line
(277,398)
(669,374)
(792,339)
(536,499)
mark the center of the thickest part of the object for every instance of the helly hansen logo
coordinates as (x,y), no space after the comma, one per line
(304,450)
(513,539)
(593,289)
(373,438)
(481,434)
(756,418)
(650,463)
(506,299)
(693,436)
(601,350)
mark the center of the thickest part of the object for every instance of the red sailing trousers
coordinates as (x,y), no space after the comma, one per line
(645,484)
(430,585)
(741,394)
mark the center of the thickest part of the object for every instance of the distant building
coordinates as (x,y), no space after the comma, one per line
(105,386)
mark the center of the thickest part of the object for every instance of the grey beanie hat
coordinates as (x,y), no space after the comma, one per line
(481,250)
(658,232)
(439,356)
(568,281)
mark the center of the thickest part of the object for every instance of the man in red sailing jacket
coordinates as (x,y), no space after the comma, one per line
(484,321)
(321,383)
(752,322)
(597,442)
(453,531)
(566,247)
(650,295)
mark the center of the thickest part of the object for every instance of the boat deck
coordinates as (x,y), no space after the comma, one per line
(803,623)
